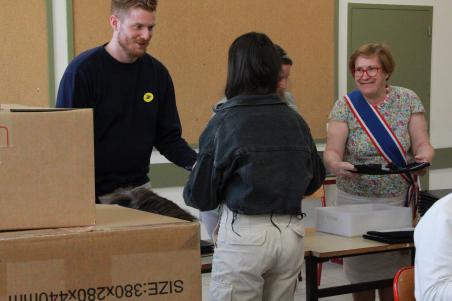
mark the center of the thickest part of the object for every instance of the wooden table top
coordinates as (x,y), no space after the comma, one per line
(326,245)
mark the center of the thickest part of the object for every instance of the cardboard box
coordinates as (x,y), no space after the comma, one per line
(128,255)
(355,220)
(46,168)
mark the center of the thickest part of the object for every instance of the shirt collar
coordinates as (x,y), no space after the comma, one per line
(250,100)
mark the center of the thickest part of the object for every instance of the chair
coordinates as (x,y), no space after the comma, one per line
(403,285)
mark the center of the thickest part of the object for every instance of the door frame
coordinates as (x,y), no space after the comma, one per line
(426,101)
(343,33)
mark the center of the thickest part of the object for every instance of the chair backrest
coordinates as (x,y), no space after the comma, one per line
(403,285)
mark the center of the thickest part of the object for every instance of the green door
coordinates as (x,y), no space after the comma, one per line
(407,31)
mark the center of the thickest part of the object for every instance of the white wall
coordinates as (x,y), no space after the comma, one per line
(440,179)
(441,107)
(441,104)
(60,40)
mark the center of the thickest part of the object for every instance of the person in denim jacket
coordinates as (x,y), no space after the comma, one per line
(257,159)
(209,219)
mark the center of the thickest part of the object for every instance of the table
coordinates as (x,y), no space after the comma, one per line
(321,247)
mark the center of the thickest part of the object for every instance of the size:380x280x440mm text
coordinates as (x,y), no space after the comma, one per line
(127,291)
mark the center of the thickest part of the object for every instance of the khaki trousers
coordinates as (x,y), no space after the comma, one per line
(255,260)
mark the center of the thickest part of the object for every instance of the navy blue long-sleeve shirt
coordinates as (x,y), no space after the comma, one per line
(134,110)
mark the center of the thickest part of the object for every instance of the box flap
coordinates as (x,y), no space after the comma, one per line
(108,218)
(9,106)
(15,108)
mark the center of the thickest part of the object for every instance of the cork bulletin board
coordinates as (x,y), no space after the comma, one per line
(24,76)
(192,39)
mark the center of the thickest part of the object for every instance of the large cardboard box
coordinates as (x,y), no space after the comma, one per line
(127,255)
(46,168)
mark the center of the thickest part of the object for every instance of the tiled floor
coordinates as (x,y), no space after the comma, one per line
(332,275)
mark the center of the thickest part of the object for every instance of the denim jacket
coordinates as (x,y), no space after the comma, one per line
(257,156)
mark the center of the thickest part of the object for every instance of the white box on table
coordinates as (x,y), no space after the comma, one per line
(355,220)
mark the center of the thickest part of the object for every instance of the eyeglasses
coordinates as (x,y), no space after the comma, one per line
(371,71)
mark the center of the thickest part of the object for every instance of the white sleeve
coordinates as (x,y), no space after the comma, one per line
(433,240)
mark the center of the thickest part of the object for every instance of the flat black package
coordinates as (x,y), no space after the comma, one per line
(391,237)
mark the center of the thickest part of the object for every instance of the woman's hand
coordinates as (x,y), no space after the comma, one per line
(423,150)
(342,169)
(421,159)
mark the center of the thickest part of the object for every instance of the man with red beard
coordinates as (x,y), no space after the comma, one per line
(133,100)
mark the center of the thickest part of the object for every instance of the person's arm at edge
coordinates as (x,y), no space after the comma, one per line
(420,142)
(73,91)
(200,191)
(66,91)
(318,171)
(169,140)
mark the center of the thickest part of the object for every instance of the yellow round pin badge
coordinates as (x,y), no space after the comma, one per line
(148,97)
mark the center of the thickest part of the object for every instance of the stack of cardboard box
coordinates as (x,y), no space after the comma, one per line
(56,244)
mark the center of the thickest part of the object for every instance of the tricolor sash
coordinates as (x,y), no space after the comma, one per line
(383,138)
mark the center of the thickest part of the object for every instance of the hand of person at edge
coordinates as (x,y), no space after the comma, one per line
(343,169)
(421,159)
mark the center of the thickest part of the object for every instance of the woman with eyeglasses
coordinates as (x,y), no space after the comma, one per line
(378,123)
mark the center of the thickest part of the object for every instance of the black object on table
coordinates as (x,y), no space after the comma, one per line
(391,237)
(381,169)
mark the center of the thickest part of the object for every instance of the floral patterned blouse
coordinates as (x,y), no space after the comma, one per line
(397,110)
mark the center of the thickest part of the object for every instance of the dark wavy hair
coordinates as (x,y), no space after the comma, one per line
(146,200)
(253,66)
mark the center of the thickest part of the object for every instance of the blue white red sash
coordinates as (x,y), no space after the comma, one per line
(383,138)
